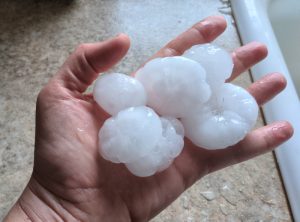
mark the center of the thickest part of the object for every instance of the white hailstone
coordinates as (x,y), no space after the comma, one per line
(115,92)
(175,123)
(131,134)
(174,85)
(213,114)
(167,148)
(216,61)
(145,166)
(172,140)
(225,120)
(234,95)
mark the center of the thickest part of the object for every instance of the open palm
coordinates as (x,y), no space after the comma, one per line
(72,182)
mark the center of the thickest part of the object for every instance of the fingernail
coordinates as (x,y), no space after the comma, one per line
(282,130)
(119,34)
(210,28)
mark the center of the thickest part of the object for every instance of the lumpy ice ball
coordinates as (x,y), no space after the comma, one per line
(175,123)
(115,92)
(225,120)
(174,85)
(216,61)
(167,148)
(172,138)
(190,95)
(130,135)
(239,100)
(145,166)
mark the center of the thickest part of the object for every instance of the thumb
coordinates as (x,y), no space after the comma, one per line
(89,59)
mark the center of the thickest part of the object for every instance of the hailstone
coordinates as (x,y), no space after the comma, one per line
(175,123)
(115,92)
(130,135)
(174,85)
(216,61)
(226,119)
(170,98)
(172,138)
(162,155)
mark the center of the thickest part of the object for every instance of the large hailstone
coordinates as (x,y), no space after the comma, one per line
(174,85)
(214,114)
(167,148)
(130,135)
(115,92)
(225,120)
(216,61)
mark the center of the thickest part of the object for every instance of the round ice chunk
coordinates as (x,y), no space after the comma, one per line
(216,131)
(115,92)
(216,61)
(131,134)
(175,123)
(231,95)
(225,120)
(174,85)
(145,166)
(167,148)
(171,142)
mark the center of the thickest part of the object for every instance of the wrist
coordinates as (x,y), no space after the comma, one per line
(16,214)
(35,204)
(38,204)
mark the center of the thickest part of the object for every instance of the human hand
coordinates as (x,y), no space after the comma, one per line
(72,182)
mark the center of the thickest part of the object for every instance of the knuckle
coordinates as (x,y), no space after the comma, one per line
(208,29)
(48,91)
(42,95)
(81,48)
(172,51)
(82,60)
(204,31)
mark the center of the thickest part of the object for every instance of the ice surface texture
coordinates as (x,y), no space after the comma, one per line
(137,137)
(115,92)
(161,156)
(227,117)
(144,131)
(174,85)
(216,61)
(130,135)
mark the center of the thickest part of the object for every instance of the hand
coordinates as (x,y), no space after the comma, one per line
(71,181)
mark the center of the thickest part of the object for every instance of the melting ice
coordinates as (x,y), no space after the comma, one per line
(168,99)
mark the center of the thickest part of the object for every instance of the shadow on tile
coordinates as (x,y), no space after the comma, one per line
(16,15)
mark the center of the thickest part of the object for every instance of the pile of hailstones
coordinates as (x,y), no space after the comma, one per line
(170,98)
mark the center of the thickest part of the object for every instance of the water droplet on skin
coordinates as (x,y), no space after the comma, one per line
(82,128)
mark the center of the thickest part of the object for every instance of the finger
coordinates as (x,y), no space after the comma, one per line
(255,143)
(88,60)
(202,32)
(267,87)
(247,56)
